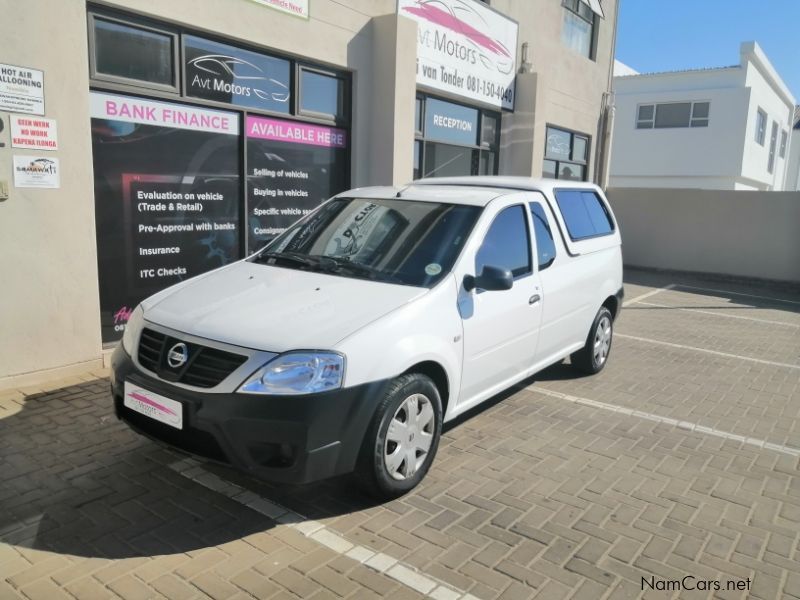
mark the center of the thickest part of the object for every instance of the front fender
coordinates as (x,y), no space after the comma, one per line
(426,329)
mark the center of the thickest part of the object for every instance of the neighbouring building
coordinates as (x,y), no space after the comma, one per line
(143,142)
(720,128)
(793,162)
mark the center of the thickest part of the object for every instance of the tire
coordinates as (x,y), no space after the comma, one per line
(594,355)
(387,468)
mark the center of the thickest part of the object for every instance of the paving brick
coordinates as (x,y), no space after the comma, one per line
(130,588)
(173,587)
(534,495)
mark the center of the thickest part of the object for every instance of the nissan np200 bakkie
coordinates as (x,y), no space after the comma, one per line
(346,342)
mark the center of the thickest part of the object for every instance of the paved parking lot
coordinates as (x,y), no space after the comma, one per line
(682,458)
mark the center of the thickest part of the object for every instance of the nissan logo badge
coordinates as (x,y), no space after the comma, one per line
(177,355)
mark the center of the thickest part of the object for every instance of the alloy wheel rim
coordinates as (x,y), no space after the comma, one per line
(409,437)
(602,340)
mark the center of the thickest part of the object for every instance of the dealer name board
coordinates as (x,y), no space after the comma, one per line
(465,48)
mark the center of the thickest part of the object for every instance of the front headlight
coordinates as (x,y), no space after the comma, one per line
(132,329)
(297,373)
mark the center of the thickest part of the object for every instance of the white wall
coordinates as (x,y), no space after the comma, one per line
(741,234)
(793,161)
(756,157)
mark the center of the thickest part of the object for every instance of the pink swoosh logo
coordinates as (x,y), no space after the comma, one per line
(453,23)
(153,403)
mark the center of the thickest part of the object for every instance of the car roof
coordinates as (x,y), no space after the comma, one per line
(473,191)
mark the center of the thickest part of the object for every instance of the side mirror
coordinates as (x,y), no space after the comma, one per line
(490,279)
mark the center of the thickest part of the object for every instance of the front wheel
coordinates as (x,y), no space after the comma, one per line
(594,355)
(403,437)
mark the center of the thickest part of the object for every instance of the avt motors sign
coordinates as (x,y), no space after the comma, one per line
(464,48)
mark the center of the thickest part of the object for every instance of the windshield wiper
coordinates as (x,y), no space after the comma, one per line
(330,264)
(299,259)
(343,264)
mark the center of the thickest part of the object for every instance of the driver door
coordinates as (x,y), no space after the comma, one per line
(500,327)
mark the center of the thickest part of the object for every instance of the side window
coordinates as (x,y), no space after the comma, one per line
(507,243)
(545,246)
(584,213)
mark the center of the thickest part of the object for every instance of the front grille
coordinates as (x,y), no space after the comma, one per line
(205,367)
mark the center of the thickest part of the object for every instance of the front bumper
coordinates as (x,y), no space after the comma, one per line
(287,439)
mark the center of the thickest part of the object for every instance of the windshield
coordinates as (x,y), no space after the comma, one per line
(391,240)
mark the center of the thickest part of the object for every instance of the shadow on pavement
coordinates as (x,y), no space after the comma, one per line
(77,481)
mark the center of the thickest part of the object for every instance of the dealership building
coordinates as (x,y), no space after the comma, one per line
(145,142)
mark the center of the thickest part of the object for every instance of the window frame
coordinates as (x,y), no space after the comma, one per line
(135,23)
(529,246)
(120,85)
(572,135)
(761,126)
(691,123)
(651,121)
(567,5)
(783,144)
(297,74)
(603,205)
(549,228)
(699,120)
(773,148)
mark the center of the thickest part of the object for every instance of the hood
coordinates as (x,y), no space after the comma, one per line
(275,309)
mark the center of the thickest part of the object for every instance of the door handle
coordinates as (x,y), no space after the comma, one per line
(534,299)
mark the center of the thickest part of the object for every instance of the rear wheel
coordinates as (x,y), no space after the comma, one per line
(594,355)
(403,437)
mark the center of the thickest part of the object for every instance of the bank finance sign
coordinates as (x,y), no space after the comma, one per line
(464,48)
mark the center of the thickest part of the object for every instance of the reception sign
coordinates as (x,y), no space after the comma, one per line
(464,48)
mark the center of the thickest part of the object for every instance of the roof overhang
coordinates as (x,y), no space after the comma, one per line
(595,6)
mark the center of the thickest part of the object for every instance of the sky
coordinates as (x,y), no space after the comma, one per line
(668,35)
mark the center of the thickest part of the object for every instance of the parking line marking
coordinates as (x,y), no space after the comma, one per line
(704,289)
(707,351)
(718,314)
(685,425)
(378,561)
(648,294)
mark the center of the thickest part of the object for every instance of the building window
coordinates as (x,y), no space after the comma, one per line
(507,243)
(454,139)
(247,143)
(232,75)
(645,116)
(672,114)
(784,136)
(773,140)
(700,114)
(761,127)
(584,213)
(578,27)
(323,94)
(566,155)
(135,54)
